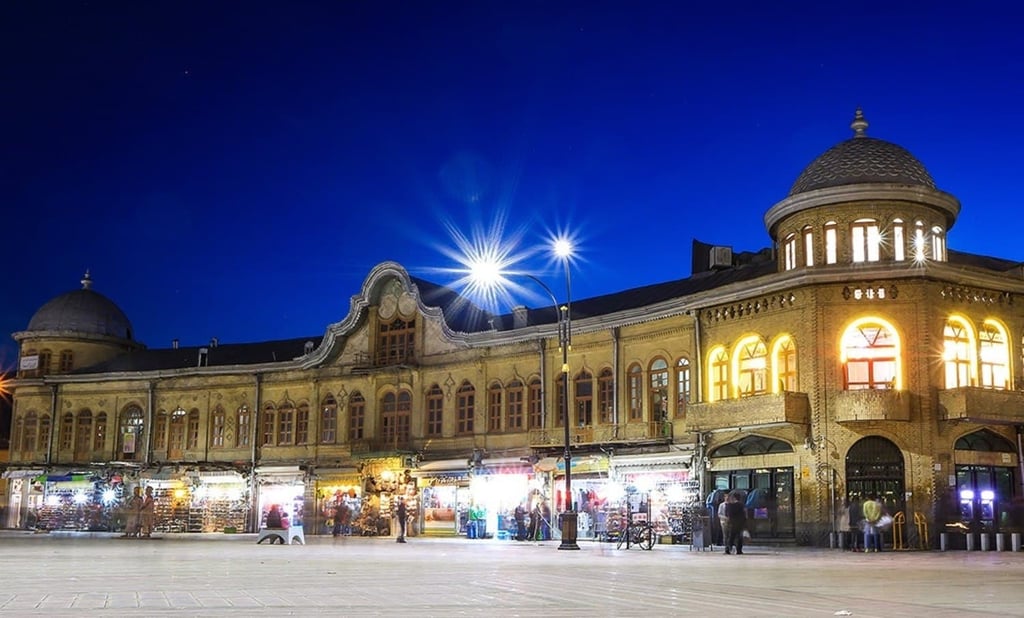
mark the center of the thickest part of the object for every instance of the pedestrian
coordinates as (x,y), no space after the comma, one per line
(531,532)
(131,513)
(342,515)
(545,521)
(147,513)
(723,519)
(872,514)
(401,511)
(855,522)
(736,513)
(520,517)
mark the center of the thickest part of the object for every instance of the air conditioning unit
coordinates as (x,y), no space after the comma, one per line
(721,257)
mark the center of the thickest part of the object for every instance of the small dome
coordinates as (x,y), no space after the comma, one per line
(862,160)
(83,311)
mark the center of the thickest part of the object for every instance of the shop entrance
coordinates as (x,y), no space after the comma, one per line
(874,467)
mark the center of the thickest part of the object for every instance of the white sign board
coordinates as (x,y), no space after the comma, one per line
(29,362)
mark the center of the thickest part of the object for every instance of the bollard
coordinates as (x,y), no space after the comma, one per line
(943,541)
(986,541)
(1000,541)
(970,541)
(1015,541)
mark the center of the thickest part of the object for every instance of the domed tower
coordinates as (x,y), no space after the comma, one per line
(863,200)
(74,330)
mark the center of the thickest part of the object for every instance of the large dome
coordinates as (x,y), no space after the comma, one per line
(83,311)
(862,159)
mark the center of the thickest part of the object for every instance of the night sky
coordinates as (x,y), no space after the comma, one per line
(235,169)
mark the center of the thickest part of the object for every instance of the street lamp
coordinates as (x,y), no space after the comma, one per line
(487,273)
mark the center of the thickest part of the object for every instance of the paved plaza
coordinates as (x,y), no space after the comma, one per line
(73,574)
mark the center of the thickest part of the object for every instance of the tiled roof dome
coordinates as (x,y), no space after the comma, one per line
(862,159)
(82,311)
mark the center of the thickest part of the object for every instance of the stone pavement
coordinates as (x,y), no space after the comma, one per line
(74,574)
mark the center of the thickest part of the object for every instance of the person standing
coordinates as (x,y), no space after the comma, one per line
(131,511)
(147,513)
(520,517)
(401,512)
(723,520)
(341,517)
(736,514)
(872,513)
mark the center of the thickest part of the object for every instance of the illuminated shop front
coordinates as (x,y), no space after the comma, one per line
(284,486)
(591,485)
(334,486)
(477,500)
(75,501)
(220,502)
(658,487)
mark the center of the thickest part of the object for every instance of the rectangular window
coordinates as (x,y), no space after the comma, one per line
(466,410)
(831,245)
(898,243)
(535,405)
(217,437)
(789,250)
(435,407)
(515,408)
(244,426)
(494,409)
(193,430)
(808,247)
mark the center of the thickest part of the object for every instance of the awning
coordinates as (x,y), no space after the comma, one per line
(20,474)
(280,475)
(653,462)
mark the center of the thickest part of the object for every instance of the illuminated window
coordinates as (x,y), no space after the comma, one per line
(435,411)
(866,240)
(286,424)
(83,434)
(396,342)
(535,404)
(218,426)
(899,243)
(131,431)
(396,415)
(67,361)
(192,441)
(871,356)
(356,416)
(751,367)
(635,382)
(584,399)
(657,394)
(993,356)
(919,254)
(494,407)
(269,425)
(683,389)
(328,420)
(938,244)
(789,252)
(244,424)
(718,374)
(606,396)
(784,364)
(99,432)
(808,233)
(465,406)
(958,353)
(514,406)
(302,424)
(831,243)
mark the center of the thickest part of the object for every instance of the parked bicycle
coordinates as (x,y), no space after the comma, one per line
(637,533)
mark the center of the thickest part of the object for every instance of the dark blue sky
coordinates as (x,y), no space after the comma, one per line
(235,169)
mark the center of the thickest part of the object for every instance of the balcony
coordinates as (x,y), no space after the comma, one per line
(872,405)
(625,433)
(381,445)
(748,412)
(982,405)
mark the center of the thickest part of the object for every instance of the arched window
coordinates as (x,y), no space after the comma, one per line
(718,374)
(302,424)
(328,420)
(789,252)
(994,356)
(192,434)
(606,396)
(244,424)
(808,233)
(683,388)
(160,431)
(435,411)
(395,415)
(584,399)
(899,241)
(465,404)
(919,254)
(494,407)
(958,352)
(514,406)
(99,432)
(356,416)
(871,356)
(831,243)
(131,430)
(286,424)
(83,434)
(938,244)
(984,440)
(218,426)
(176,434)
(396,342)
(634,379)
(657,395)
(535,404)
(269,425)
(751,367)
(44,433)
(67,429)
(28,432)
(865,240)
(784,365)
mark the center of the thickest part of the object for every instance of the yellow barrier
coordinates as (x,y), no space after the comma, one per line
(897,530)
(922,529)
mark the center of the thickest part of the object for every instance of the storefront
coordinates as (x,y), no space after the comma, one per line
(336,486)
(220,501)
(284,486)
(658,487)
(592,491)
(445,496)
(74,501)
(22,502)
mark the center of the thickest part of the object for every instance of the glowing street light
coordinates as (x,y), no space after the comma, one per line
(484,274)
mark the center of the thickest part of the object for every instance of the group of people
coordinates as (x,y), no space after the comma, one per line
(732,515)
(540,517)
(866,520)
(140,513)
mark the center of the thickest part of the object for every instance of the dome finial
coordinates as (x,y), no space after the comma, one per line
(859,125)
(86,281)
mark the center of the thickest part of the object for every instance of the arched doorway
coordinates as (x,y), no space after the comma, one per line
(874,467)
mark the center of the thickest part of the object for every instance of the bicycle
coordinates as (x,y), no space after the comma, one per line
(637,533)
